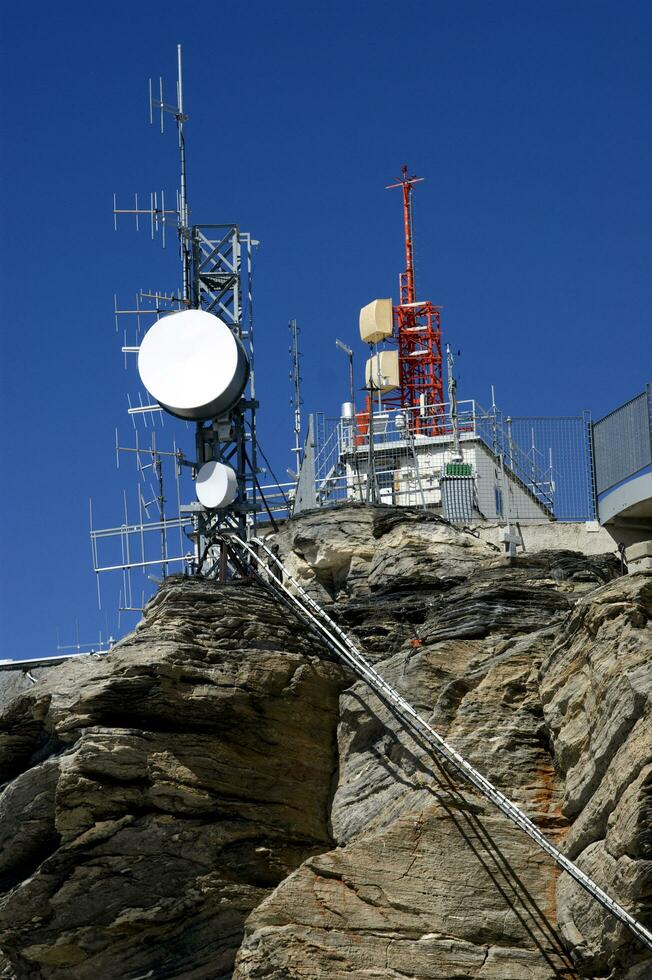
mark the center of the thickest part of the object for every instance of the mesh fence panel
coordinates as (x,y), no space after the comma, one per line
(561,448)
(549,456)
(622,442)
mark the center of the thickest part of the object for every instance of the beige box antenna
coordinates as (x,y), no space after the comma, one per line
(381,371)
(376,321)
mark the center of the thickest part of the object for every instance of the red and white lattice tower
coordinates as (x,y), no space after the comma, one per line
(417,329)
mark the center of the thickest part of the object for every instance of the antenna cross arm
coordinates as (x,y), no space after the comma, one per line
(402,183)
(172,109)
(145,211)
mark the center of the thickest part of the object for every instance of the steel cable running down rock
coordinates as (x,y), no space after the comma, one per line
(347,652)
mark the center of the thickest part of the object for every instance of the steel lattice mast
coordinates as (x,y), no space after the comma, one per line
(417,327)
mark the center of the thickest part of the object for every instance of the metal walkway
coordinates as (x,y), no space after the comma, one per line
(282,583)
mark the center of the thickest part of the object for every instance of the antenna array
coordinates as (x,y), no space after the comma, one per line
(216,279)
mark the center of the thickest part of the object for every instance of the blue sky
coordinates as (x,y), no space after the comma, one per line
(530,122)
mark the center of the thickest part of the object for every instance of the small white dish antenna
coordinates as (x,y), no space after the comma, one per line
(193,365)
(216,485)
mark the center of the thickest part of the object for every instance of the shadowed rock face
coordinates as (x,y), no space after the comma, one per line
(218,798)
(153,798)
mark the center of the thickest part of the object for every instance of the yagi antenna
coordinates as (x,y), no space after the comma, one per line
(157,212)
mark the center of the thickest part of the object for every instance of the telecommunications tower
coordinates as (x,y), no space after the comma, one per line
(196,362)
(417,324)
(406,372)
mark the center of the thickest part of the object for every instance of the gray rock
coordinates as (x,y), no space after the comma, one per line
(596,690)
(219,798)
(190,773)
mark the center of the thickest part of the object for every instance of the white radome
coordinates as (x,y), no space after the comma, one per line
(216,485)
(192,364)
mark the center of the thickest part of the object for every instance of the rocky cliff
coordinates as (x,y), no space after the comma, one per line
(219,798)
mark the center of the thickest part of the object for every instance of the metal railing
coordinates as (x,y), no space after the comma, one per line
(549,456)
(547,460)
(623,441)
(560,447)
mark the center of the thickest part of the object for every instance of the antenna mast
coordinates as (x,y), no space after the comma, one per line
(212,280)
(417,329)
(182,204)
(452,404)
(297,401)
(406,279)
(184,229)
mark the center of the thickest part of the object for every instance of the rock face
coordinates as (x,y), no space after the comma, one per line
(153,798)
(596,691)
(219,798)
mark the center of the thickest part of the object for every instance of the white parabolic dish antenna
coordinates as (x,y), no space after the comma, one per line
(193,365)
(216,485)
